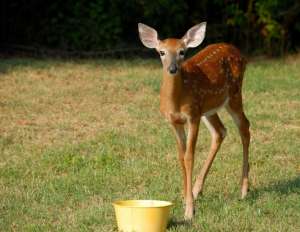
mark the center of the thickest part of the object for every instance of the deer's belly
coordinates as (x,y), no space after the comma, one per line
(214,108)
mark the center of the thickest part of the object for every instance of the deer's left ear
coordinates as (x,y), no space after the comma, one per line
(148,36)
(194,36)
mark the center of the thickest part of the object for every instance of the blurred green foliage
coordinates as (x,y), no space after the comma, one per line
(82,25)
(269,26)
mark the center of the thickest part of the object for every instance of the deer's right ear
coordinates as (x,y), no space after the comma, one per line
(148,36)
(195,35)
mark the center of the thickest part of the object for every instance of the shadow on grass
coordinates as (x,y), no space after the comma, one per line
(176,224)
(283,187)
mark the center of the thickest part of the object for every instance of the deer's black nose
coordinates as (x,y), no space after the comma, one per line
(173,68)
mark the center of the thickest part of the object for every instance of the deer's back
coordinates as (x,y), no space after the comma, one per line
(214,65)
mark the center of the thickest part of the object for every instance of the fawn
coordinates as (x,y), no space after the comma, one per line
(195,89)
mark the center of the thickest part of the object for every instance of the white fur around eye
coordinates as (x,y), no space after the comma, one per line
(162,53)
(162,56)
(181,53)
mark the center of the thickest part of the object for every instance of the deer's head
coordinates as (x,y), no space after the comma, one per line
(171,50)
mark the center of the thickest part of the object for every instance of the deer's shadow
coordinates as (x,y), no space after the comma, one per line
(282,187)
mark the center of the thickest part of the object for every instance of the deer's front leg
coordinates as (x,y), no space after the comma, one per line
(193,127)
(181,147)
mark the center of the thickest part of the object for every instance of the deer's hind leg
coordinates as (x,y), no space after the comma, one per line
(218,133)
(235,109)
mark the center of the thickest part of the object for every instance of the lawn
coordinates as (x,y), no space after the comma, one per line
(76,135)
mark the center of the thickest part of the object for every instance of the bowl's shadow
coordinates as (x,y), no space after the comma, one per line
(176,224)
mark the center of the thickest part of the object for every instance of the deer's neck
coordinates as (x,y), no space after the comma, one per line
(170,92)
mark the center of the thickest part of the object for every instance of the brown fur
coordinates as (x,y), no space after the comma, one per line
(204,82)
(195,89)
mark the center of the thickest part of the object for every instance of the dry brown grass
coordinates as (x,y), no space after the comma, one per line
(66,102)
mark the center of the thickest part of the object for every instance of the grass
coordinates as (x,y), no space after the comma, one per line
(76,135)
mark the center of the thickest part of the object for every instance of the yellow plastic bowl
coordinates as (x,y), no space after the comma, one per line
(142,215)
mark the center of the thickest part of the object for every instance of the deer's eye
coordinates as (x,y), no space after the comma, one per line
(162,53)
(181,52)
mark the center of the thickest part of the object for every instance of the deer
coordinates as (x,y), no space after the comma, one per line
(193,90)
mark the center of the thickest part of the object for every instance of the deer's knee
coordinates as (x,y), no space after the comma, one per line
(188,158)
(245,128)
(246,124)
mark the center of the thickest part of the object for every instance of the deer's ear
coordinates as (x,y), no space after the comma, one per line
(194,36)
(148,36)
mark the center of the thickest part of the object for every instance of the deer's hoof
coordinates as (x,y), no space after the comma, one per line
(244,194)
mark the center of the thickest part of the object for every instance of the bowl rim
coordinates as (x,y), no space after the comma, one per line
(162,204)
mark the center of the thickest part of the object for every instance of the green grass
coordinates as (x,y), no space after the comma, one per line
(77,135)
